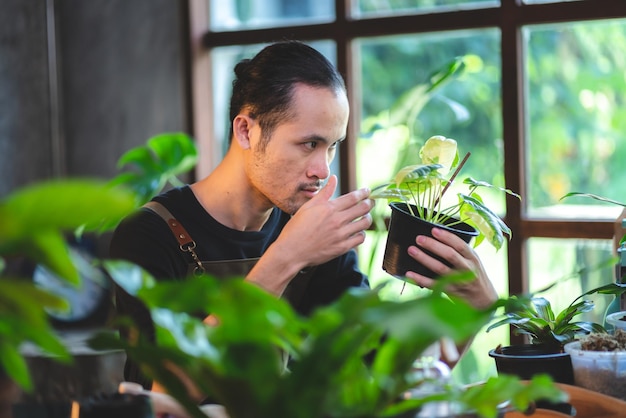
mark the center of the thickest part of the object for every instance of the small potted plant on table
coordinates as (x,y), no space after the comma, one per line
(548,333)
(416,200)
(599,362)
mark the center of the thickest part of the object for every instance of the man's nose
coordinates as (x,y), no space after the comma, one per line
(320,168)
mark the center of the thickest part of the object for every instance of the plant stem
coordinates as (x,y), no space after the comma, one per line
(458,168)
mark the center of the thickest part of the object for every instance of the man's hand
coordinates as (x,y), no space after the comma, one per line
(480,292)
(322,229)
(325,228)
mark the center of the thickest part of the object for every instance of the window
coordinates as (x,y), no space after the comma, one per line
(540,105)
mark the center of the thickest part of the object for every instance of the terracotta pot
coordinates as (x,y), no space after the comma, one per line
(403,229)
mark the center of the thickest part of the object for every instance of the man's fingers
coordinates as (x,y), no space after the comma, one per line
(328,190)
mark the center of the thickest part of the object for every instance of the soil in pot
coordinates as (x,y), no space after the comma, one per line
(403,229)
(599,362)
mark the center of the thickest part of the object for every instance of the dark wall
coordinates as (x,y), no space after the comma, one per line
(121,78)
(24,100)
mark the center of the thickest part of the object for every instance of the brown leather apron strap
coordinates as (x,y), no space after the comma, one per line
(185,242)
(179,231)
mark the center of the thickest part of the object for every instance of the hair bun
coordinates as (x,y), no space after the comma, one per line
(241,69)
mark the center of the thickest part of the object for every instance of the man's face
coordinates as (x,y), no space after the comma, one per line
(295,162)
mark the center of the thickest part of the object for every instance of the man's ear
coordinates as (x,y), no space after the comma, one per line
(242,124)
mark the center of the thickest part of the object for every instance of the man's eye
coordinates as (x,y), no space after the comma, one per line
(310,144)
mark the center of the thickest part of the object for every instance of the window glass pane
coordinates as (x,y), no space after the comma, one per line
(558,260)
(228,15)
(549,1)
(368,8)
(576,117)
(467,109)
(223,61)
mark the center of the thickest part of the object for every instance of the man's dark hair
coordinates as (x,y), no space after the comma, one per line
(265,83)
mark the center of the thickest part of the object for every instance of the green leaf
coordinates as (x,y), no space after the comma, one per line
(409,103)
(485,399)
(141,157)
(417,172)
(440,150)
(608,289)
(61,205)
(23,319)
(443,75)
(160,161)
(389,192)
(593,196)
(484,220)
(129,276)
(576,309)
(534,316)
(50,249)
(476,183)
(15,366)
(33,219)
(543,309)
(176,152)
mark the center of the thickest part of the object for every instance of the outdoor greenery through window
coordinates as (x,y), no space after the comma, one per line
(576,116)
(539,104)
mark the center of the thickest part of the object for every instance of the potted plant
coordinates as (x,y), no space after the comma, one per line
(548,332)
(599,362)
(353,358)
(416,197)
(397,124)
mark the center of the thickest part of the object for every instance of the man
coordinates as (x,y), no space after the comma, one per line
(265,212)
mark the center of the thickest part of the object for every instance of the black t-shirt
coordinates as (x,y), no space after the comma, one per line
(145,239)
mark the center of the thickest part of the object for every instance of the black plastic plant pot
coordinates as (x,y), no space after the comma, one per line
(527,360)
(403,229)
